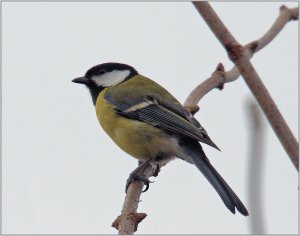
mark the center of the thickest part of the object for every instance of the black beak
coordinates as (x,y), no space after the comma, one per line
(81,80)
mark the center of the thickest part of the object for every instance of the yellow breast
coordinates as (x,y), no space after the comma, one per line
(138,139)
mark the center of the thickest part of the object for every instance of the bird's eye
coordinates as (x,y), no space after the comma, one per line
(101,72)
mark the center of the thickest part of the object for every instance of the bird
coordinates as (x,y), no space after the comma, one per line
(151,125)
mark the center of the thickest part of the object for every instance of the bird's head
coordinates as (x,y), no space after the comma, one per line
(105,75)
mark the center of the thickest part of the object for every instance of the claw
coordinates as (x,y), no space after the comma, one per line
(157,170)
(133,177)
(147,187)
(128,182)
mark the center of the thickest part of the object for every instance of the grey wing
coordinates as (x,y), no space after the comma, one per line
(172,117)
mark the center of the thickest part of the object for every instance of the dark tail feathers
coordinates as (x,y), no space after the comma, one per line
(230,199)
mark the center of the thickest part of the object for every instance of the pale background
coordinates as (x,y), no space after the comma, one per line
(62,174)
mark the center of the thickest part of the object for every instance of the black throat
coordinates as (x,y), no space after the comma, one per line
(94,90)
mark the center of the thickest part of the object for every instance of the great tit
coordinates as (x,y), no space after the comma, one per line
(148,123)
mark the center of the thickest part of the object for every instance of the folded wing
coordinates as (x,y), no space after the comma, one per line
(172,117)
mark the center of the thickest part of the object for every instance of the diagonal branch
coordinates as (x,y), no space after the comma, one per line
(239,55)
(128,221)
(219,77)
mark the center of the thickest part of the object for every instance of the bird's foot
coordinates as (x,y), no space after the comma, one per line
(157,170)
(133,176)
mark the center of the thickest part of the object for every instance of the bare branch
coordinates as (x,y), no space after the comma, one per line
(238,54)
(285,15)
(256,166)
(219,77)
(128,221)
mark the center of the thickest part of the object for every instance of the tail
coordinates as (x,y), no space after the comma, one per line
(199,159)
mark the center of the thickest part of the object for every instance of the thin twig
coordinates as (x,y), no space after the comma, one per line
(256,167)
(128,221)
(238,55)
(220,77)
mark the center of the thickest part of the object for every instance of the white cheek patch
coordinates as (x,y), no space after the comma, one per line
(111,78)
